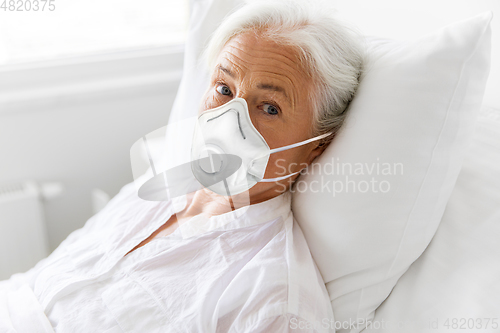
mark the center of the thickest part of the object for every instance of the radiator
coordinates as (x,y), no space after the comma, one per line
(23,235)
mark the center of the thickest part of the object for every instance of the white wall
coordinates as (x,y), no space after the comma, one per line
(75,122)
(411,19)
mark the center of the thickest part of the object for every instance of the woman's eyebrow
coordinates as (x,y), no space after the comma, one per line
(264,86)
(227,71)
(272,87)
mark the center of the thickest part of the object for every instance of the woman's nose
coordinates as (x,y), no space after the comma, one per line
(252,108)
(243,93)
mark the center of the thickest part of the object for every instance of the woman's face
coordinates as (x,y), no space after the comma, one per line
(278,93)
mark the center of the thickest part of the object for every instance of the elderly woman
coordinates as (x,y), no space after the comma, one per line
(141,266)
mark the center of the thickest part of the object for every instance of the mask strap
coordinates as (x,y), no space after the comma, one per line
(277,179)
(298,144)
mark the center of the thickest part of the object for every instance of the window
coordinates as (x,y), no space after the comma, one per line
(68,28)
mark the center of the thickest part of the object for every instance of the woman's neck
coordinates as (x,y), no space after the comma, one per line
(204,202)
(210,204)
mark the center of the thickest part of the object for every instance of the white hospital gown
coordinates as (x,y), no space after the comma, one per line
(243,271)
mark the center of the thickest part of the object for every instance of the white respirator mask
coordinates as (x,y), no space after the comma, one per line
(227,146)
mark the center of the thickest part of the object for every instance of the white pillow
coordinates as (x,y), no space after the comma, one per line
(205,17)
(408,125)
(453,286)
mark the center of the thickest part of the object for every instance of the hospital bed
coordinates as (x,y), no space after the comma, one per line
(418,252)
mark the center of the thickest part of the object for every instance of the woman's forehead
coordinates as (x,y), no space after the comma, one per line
(264,63)
(250,49)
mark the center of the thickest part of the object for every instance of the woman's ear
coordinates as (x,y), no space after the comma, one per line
(320,148)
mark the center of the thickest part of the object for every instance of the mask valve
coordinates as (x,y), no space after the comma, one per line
(211,159)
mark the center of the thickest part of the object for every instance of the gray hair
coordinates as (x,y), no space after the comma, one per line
(329,50)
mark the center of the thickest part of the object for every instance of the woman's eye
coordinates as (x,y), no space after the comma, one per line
(223,90)
(271,109)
